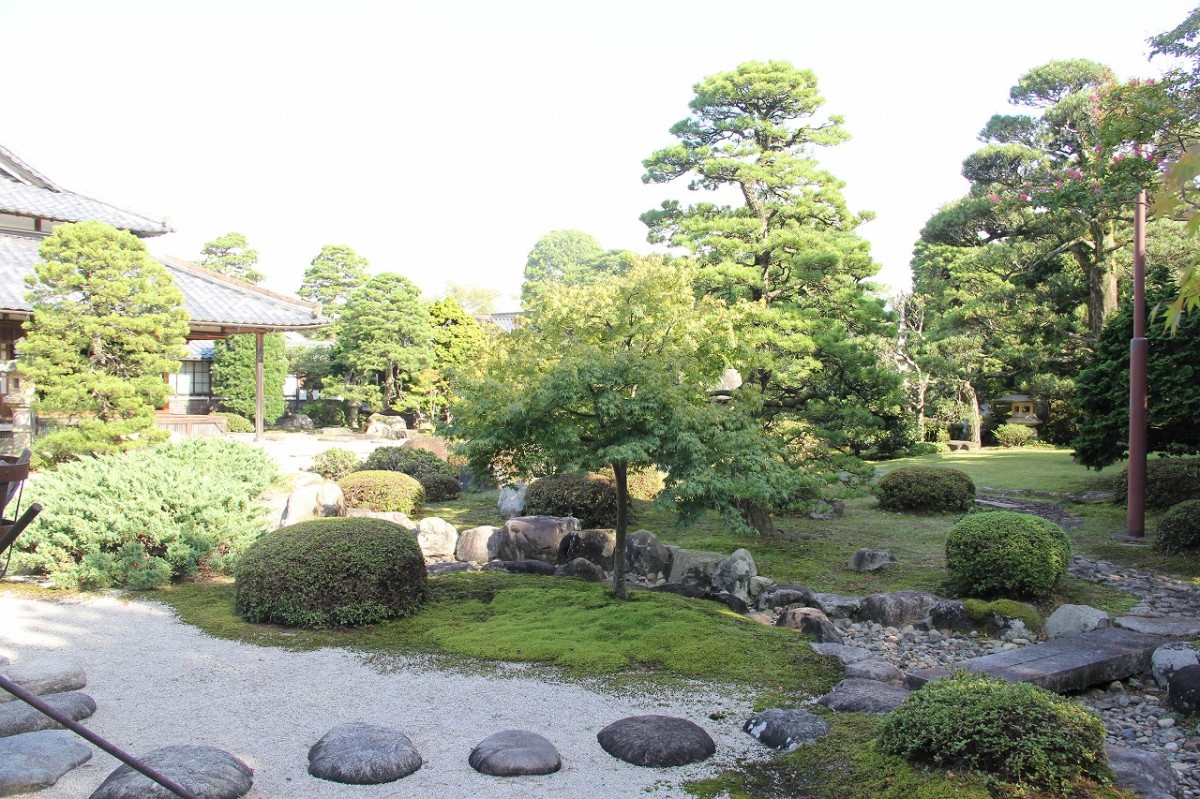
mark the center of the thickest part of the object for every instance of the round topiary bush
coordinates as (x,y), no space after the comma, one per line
(592,500)
(382,491)
(1013,435)
(1169,481)
(331,573)
(926,488)
(440,487)
(1179,528)
(411,461)
(335,463)
(1001,553)
(1024,737)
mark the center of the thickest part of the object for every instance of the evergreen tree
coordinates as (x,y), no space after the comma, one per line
(457,342)
(233,375)
(231,255)
(334,274)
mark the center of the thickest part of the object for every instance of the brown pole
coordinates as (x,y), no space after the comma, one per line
(258,386)
(1135,526)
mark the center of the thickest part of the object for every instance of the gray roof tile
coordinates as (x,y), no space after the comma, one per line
(65,206)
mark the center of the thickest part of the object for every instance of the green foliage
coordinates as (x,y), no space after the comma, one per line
(186,504)
(984,613)
(325,412)
(334,274)
(1026,738)
(108,323)
(1001,553)
(233,375)
(457,341)
(568,258)
(440,487)
(926,489)
(1169,481)
(592,500)
(475,300)
(385,491)
(332,573)
(235,423)
(1179,528)
(231,255)
(1013,435)
(412,461)
(335,463)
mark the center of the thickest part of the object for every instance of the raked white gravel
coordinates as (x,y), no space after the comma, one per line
(157,681)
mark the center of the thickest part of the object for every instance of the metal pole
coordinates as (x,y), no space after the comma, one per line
(83,732)
(1135,526)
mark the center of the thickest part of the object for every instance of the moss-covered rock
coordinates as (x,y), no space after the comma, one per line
(985,614)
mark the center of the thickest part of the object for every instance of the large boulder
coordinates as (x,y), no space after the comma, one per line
(515,753)
(782,595)
(386,428)
(511,503)
(734,574)
(856,695)
(478,545)
(437,538)
(1147,774)
(656,741)
(535,537)
(1074,619)
(294,421)
(877,670)
(581,568)
(951,614)
(812,622)
(208,772)
(317,501)
(786,729)
(51,674)
(837,606)
(869,560)
(18,717)
(35,760)
(693,567)
(1169,658)
(597,546)
(1183,690)
(363,754)
(845,654)
(696,592)
(645,556)
(897,608)
(393,516)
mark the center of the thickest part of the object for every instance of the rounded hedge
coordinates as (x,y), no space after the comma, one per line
(1001,553)
(236,423)
(415,462)
(331,573)
(440,487)
(325,413)
(592,500)
(1025,737)
(926,488)
(335,463)
(1179,528)
(1169,481)
(382,491)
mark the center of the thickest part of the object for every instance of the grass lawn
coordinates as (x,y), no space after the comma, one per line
(1033,469)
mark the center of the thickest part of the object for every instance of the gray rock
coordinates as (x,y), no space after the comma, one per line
(1072,619)
(878,670)
(18,717)
(208,772)
(656,741)
(437,538)
(294,421)
(386,427)
(844,654)
(479,544)
(869,560)
(1147,774)
(581,568)
(810,621)
(35,760)
(1183,690)
(1172,627)
(781,595)
(447,567)
(515,753)
(897,608)
(317,501)
(693,567)
(363,754)
(1171,657)
(863,696)
(535,537)
(393,516)
(837,606)
(759,584)
(597,546)
(695,592)
(734,574)
(511,503)
(786,729)
(951,614)
(520,567)
(52,674)
(645,555)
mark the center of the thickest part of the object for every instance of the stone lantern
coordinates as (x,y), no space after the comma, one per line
(1024,410)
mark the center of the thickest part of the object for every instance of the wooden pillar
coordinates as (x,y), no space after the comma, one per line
(258,386)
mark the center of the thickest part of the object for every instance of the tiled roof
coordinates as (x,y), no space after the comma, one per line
(211,299)
(64,206)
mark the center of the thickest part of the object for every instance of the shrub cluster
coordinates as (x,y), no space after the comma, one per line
(592,500)
(325,413)
(382,491)
(1023,736)
(335,463)
(926,488)
(139,519)
(1001,553)
(1013,435)
(331,572)
(1169,481)
(1179,528)
(440,487)
(414,462)
(235,423)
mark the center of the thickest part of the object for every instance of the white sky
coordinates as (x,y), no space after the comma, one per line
(442,139)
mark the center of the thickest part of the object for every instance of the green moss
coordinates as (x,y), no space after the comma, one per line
(982,612)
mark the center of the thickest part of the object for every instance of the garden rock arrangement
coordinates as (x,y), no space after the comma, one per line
(363,754)
(656,741)
(515,753)
(786,729)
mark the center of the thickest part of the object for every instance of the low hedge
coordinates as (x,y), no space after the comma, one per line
(382,491)
(1001,553)
(235,423)
(592,500)
(1169,481)
(926,489)
(441,487)
(408,460)
(335,463)
(1179,529)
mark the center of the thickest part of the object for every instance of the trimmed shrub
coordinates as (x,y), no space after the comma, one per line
(926,488)
(1024,737)
(414,462)
(1001,553)
(1179,528)
(382,490)
(335,463)
(325,413)
(440,487)
(331,573)
(1013,435)
(179,506)
(592,500)
(1169,481)
(235,423)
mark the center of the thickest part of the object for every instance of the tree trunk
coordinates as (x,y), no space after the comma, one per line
(922,389)
(620,472)
(389,386)
(756,515)
(972,398)
(1101,277)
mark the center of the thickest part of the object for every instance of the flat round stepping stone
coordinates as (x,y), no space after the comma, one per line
(49,675)
(18,717)
(855,695)
(35,760)
(206,771)
(515,753)
(781,728)
(363,754)
(656,741)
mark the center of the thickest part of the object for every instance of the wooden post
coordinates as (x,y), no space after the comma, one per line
(1135,523)
(258,386)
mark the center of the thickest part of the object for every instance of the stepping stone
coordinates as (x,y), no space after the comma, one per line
(48,675)
(877,670)
(18,717)
(837,606)
(656,741)
(856,695)
(35,760)
(208,772)
(1147,774)
(363,754)
(1068,664)
(515,753)
(786,729)
(1173,627)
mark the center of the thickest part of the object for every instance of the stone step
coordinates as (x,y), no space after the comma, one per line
(1071,663)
